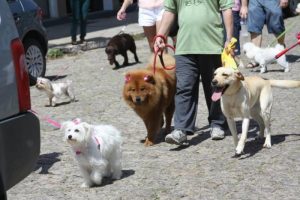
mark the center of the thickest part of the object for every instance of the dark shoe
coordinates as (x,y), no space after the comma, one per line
(74,42)
(82,41)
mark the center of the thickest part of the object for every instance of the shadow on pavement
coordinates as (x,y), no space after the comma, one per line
(108,181)
(46,161)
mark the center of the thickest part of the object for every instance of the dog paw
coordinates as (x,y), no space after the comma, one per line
(267,145)
(148,143)
(117,176)
(238,154)
(85,185)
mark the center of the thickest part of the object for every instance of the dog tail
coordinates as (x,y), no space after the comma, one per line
(285,83)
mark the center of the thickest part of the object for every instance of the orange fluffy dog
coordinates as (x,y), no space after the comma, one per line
(152,95)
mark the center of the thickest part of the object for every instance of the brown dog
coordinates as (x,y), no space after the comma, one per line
(152,95)
(119,44)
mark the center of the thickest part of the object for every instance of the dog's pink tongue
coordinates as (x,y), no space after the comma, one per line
(216,95)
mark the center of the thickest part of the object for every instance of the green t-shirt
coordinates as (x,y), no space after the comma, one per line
(200,25)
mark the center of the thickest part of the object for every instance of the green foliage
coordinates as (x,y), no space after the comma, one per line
(55,53)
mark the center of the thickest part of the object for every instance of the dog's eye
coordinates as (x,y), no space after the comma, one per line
(142,89)
(76,130)
(226,75)
(132,89)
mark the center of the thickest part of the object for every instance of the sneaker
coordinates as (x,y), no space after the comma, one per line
(176,137)
(217,133)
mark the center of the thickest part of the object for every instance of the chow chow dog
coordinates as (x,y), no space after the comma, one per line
(54,90)
(97,148)
(246,97)
(151,95)
(120,44)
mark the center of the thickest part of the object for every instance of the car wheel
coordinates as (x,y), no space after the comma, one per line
(34,59)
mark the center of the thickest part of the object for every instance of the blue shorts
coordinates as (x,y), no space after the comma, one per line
(265,12)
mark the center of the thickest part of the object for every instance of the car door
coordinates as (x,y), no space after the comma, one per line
(17,12)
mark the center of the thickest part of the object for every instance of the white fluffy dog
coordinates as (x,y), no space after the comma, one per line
(263,56)
(97,149)
(55,90)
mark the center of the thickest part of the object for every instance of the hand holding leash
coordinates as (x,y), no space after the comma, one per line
(159,43)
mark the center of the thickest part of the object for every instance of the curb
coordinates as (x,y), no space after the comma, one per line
(90,44)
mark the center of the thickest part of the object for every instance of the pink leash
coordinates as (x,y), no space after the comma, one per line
(47,119)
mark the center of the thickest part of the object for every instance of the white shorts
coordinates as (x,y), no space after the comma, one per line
(149,17)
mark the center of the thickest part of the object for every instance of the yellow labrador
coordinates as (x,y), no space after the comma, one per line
(245,98)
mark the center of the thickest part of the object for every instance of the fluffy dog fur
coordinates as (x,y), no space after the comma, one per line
(97,149)
(263,56)
(55,90)
(151,96)
(119,44)
(245,98)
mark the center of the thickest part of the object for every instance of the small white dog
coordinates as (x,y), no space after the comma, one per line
(97,149)
(55,90)
(264,56)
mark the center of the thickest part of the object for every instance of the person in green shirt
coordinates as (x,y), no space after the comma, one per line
(200,41)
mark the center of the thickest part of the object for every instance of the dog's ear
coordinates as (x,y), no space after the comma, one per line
(127,78)
(149,79)
(87,127)
(239,76)
(64,125)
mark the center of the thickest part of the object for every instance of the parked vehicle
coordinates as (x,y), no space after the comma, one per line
(19,128)
(28,19)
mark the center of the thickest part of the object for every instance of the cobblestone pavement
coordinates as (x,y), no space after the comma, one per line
(204,170)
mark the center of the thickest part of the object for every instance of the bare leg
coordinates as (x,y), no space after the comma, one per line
(256,39)
(150,32)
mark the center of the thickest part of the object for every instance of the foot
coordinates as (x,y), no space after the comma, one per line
(217,133)
(286,69)
(74,42)
(263,70)
(82,41)
(176,137)
(252,65)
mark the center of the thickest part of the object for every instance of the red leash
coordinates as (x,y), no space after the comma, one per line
(287,49)
(161,54)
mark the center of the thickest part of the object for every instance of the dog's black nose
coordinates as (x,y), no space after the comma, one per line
(214,82)
(138,99)
(70,137)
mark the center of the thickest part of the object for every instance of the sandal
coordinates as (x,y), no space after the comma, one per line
(252,65)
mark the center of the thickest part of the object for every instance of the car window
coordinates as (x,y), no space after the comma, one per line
(8,92)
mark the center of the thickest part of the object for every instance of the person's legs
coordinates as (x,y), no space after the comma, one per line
(187,91)
(150,32)
(186,98)
(85,4)
(209,63)
(256,21)
(147,19)
(75,19)
(274,19)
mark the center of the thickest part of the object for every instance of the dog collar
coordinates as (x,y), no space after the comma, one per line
(97,141)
